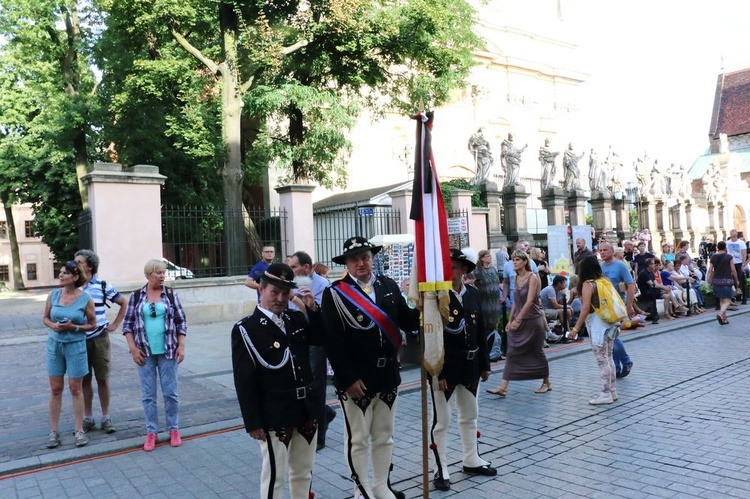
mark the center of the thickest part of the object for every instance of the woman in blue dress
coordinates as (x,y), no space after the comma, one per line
(69,314)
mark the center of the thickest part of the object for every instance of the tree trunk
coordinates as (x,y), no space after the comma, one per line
(296,139)
(72,85)
(15,254)
(231,128)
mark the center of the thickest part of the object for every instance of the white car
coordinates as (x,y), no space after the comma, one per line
(176,272)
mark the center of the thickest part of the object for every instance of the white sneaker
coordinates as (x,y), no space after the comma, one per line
(642,317)
(614,396)
(603,398)
(553,337)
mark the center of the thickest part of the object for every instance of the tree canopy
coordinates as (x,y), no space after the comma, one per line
(214,93)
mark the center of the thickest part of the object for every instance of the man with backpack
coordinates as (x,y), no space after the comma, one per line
(97,341)
(618,272)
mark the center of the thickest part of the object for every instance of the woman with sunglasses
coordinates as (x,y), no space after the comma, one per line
(155,329)
(69,314)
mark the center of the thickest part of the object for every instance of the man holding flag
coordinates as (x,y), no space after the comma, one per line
(466,362)
(362,314)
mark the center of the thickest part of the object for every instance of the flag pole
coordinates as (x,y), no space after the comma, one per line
(425,454)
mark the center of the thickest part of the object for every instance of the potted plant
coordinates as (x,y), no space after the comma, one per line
(708,295)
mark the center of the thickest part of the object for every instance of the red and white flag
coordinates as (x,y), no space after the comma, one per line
(431,277)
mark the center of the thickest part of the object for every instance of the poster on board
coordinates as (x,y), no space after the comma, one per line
(558,250)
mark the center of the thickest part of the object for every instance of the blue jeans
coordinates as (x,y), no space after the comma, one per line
(167,370)
(698,294)
(620,355)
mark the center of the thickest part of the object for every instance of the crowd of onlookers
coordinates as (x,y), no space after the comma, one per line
(670,283)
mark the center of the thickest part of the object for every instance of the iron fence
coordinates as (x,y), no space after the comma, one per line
(335,225)
(194,238)
(85,239)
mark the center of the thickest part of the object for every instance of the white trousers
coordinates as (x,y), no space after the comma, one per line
(298,458)
(442,411)
(365,433)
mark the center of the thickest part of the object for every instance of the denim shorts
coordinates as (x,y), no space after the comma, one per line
(67,358)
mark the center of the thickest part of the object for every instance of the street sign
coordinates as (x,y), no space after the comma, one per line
(458,225)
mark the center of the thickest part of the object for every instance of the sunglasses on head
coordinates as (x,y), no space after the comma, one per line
(152,309)
(71,265)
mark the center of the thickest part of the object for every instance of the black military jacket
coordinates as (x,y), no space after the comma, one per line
(466,352)
(272,374)
(365,354)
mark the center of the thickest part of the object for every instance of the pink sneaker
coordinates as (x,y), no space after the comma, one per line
(174,438)
(150,442)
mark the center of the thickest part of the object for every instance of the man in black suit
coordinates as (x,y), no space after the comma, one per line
(466,362)
(362,314)
(273,379)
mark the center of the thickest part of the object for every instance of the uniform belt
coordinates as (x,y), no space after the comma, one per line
(463,354)
(381,361)
(299,393)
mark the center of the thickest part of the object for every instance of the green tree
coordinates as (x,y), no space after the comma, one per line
(48,111)
(459,183)
(290,77)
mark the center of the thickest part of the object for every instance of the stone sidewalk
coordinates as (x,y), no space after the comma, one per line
(679,429)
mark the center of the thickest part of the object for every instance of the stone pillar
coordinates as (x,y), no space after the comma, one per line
(478,235)
(689,223)
(679,222)
(662,222)
(401,202)
(125,205)
(712,225)
(490,194)
(297,228)
(722,222)
(553,200)
(516,224)
(576,206)
(622,218)
(601,205)
(644,212)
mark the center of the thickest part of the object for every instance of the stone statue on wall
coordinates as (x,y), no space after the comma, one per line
(602,181)
(657,181)
(720,187)
(547,159)
(593,170)
(708,183)
(570,167)
(479,147)
(614,166)
(682,184)
(510,158)
(641,174)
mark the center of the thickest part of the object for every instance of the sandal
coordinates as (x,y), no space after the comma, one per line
(544,388)
(497,391)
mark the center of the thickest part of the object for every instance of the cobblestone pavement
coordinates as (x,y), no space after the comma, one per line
(680,428)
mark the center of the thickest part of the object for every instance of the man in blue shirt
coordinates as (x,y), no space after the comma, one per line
(268,253)
(618,272)
(302,265)
(97,341)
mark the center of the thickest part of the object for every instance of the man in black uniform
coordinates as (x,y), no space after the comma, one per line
(273,379)
(362,315)
(466,361)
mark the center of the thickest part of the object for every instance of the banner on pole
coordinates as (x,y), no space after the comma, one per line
(431,276)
